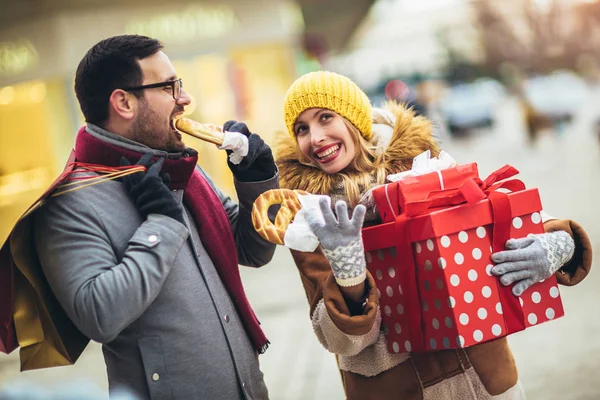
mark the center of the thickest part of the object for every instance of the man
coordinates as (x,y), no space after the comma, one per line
(147,265)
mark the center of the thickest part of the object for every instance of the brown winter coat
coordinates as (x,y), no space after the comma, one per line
(483,371)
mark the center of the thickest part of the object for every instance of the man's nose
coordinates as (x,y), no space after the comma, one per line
(184,98)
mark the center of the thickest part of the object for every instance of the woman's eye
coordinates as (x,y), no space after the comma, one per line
(326,117)
(300,130)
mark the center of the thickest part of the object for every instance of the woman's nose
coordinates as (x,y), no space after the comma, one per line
(317,135)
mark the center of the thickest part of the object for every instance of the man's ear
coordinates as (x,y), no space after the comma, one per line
(123,103)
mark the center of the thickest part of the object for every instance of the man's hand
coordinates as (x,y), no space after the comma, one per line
(532,259)
(149,191)
(258,164)
(340,240)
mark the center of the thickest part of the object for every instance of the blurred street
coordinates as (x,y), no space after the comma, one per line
(557,360)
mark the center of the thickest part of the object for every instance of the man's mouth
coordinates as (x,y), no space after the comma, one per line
(327,153)
(172,121)
(176,115)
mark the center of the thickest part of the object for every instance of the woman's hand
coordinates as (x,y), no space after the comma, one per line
(533,258)
(341,240)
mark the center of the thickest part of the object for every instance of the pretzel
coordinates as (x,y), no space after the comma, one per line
(290,205)
(207,132)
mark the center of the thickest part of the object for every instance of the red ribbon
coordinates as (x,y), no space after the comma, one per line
(514,320)
(409,283)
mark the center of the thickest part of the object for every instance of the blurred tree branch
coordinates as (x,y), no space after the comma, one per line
(537,37)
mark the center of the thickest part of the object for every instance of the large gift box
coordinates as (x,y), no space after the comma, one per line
(431,259)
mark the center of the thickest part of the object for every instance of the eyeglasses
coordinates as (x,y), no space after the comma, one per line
(175,87)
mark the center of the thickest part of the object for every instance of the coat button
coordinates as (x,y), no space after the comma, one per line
(226,318)
(152,238)
(155,377)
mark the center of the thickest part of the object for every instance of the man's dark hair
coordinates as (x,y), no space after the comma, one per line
(111,64)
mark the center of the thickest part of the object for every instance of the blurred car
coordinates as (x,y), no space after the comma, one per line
(472,105)
(557,96)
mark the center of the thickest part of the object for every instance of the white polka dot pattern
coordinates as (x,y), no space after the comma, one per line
(391,272)
(397,328)
(442,263)
(480,232)
(482,313)
(496,330)
(454,280)
(400,309)
(532,319)
(418,248)
(460,303)
(428,266)
(430,245)
(486,292)
(517,223)
(445,241)
(468,297)
(473,275)
(459,258)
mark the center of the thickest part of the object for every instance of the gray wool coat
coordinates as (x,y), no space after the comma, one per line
(147,290)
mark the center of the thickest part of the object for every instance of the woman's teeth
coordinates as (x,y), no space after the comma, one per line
(328,152)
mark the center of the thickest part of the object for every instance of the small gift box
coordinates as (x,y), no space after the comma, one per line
(428,175)
(432,263)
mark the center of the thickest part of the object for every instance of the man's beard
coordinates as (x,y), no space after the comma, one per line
(149,130)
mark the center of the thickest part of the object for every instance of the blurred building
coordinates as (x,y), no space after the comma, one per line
(236,58)
(400,38)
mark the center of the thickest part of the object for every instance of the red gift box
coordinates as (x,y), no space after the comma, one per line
(432,266)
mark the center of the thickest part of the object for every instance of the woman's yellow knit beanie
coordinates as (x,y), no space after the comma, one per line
(323,89)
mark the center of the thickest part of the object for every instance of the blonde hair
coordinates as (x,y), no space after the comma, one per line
(364,171)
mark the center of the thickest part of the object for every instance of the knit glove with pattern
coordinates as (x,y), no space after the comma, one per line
(532,259)
(341,240)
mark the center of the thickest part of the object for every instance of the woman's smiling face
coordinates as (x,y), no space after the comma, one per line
(324,139)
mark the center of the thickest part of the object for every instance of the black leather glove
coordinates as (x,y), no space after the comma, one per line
(149,191)
(258,164)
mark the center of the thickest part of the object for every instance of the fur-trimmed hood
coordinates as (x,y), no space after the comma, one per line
(398,137)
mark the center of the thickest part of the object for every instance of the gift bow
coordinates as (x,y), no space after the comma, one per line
(471,191)
(424,164)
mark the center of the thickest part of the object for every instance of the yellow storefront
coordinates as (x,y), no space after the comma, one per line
(236,61)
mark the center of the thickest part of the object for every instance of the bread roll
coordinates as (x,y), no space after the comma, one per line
(290,205)
(207,132)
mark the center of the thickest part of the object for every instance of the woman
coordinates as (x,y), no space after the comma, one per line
(339,146)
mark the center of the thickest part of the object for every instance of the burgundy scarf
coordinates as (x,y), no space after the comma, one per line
(206,208)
